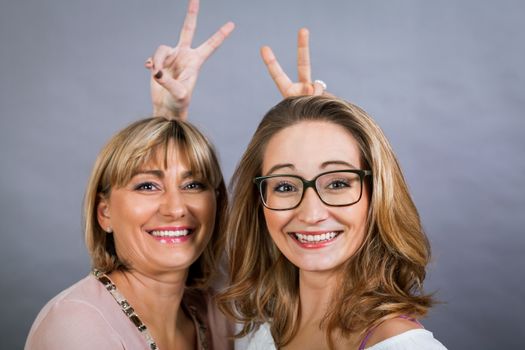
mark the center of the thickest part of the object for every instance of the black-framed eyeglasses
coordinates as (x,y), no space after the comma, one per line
(337,188)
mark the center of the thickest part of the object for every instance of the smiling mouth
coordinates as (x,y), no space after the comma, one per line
(170,233)
(315,238)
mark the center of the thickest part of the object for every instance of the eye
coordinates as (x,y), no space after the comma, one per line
(284,187)
(146,186)
(195,186)
(338,184)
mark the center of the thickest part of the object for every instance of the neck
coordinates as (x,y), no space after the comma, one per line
(315,292)
(156,299)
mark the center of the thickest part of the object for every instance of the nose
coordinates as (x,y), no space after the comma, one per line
(173,204)
(311,210)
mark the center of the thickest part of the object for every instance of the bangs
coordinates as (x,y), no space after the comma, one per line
(151,145)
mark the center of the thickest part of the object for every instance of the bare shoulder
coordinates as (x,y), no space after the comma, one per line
(391,328)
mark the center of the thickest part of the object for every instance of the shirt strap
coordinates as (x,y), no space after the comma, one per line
(371,330)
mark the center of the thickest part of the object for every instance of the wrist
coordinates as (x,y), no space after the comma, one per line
(171,113)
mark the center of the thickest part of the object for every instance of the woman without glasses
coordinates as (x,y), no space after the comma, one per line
(333,253)
(153,214)
(154,209)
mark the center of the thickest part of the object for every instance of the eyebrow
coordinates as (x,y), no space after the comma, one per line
(323,165)
(280,166)
(337,162)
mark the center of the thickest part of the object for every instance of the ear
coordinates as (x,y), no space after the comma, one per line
(103,214)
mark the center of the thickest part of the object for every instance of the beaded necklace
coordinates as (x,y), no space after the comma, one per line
(126,307)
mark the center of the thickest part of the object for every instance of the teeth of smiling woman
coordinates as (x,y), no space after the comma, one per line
(178,233)
(315,238)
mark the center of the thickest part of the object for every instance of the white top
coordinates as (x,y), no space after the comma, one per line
(410,340)
(415,339)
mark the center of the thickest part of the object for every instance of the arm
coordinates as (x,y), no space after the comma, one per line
(174,70)
(304,85)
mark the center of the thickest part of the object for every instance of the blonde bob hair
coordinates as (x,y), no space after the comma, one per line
(383,279)
(125,153)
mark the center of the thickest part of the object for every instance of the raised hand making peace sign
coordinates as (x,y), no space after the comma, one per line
(304,85)
(174,70)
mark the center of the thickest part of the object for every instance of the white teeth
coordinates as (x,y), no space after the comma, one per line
(315,238)
(177,233)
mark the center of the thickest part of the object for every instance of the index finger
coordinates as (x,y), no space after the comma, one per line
(280,78)
(303,56)
(210,45)
(190,23)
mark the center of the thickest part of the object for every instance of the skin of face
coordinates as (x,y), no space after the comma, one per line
(162,200)
(307,149)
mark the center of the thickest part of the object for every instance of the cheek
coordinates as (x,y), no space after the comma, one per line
(275,221)
(362,214)
(137,211)
(269,218)
(205,209)
(210,212)
(356,217)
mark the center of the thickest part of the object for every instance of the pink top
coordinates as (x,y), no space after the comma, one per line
(86,316)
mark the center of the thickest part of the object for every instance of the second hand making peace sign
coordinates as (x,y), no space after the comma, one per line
(174,70)
(304,86)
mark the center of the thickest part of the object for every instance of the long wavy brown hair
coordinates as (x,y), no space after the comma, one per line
(383,279)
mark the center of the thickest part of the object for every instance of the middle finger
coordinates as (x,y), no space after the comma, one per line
(303,56)
(190,23)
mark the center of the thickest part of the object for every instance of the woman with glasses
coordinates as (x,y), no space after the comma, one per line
(333,253)
(325,245)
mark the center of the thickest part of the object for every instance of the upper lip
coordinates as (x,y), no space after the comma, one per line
(314,232)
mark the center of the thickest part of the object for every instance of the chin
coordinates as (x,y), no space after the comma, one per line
(317,266)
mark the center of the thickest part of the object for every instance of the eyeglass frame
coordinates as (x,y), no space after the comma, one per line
(311,183)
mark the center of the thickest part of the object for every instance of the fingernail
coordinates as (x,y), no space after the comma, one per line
(158,75)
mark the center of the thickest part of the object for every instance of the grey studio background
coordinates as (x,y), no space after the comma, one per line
(445,80)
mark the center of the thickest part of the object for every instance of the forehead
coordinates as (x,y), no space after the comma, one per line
(308,146)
